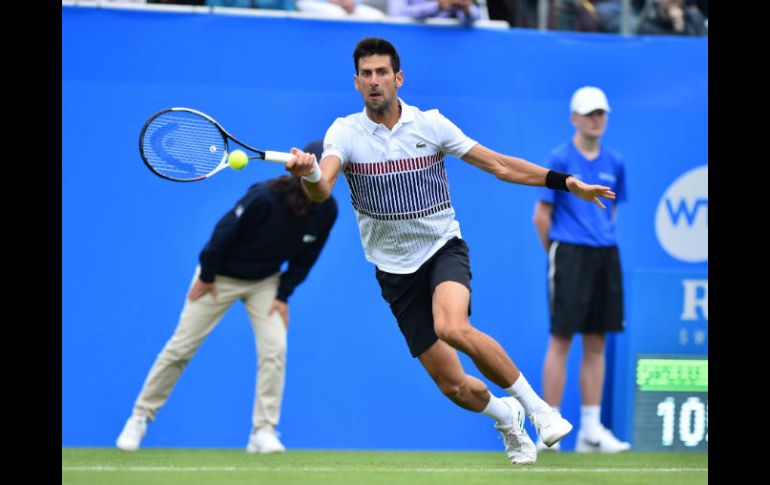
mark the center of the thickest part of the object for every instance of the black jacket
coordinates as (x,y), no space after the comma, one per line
(260,233)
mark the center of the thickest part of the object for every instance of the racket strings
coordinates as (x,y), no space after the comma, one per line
(183,145)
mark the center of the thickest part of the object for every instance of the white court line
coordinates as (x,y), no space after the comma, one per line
(378,470)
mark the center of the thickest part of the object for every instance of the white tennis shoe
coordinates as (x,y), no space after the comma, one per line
(518,445)
(542,447)
(550,426)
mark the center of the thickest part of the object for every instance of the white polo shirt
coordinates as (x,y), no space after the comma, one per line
(398,183)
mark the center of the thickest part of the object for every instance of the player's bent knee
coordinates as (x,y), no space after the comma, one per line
(456,335)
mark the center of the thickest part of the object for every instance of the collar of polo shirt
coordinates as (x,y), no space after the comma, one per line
(407,116)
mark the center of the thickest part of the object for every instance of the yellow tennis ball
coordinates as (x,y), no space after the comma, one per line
(237,160)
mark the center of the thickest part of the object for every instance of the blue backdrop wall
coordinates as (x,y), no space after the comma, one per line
(130,240)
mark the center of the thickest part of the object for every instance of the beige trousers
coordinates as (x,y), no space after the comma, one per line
(197,320)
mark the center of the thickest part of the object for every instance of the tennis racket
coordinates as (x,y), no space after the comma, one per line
(185,145)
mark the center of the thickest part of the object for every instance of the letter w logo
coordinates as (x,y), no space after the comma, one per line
(682,209)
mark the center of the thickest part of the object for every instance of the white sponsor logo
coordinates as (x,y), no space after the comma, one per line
(308,238)
(681,221)
(607,177)
(696,299)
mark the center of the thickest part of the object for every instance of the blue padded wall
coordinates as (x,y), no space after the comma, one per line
(130,240)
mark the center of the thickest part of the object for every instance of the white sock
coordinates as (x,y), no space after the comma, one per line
(590,418)
(498,410)
(527,396)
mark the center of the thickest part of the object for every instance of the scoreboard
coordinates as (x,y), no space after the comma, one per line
(660,366)
(671,403)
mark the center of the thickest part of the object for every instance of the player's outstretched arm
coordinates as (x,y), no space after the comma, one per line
(318,179)
(520,171)
(509,169)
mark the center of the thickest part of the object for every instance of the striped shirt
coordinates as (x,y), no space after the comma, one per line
(398,183)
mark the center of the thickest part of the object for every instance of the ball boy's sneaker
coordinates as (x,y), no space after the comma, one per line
(265,440)
(600,440)
(133,432)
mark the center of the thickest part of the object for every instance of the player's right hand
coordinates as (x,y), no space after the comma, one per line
(302,164)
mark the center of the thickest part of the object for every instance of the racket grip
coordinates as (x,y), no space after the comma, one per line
(279,157)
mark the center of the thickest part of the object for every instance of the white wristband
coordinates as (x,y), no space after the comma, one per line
(315,175)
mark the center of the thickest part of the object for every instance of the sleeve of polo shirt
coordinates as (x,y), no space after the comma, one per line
(336,141)
(451,137)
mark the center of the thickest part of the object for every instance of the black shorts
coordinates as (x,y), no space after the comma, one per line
(585,289)
(410,296)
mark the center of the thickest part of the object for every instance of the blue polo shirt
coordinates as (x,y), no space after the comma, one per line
(575,220)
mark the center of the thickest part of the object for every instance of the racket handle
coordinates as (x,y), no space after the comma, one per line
(279,157)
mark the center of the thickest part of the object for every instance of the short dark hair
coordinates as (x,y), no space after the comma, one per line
(369,46)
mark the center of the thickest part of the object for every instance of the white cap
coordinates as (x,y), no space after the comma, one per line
(587,99)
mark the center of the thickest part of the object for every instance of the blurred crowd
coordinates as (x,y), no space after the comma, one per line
(645,17)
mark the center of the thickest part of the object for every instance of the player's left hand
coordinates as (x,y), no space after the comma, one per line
(591,193)
(283,310)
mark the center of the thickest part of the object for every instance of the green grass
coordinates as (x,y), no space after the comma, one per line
(153,466)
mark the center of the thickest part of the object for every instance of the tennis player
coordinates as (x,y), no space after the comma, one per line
(392,155)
